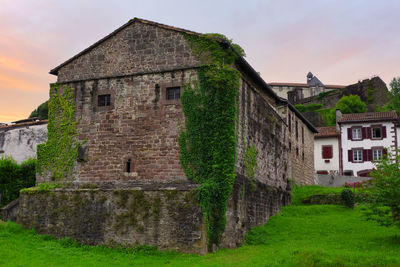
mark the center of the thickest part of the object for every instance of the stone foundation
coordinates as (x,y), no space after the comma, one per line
(166,216)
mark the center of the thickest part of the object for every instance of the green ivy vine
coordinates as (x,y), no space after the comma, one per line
(208,141)
(58,154)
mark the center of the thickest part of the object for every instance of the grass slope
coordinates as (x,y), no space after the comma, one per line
(300,236)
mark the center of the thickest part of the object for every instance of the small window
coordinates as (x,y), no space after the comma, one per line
(297,151)
(173,93)
(376,132)
(290,123)
(297,130)
(128,166)
(357,155)
(357,134)
(327,152)
(290,146)
(377,154)
(302,134)
(104,100)
(348,173)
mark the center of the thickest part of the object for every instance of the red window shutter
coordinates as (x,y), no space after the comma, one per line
(369,158)
(350,155)
(384,132)
(327,152)
(349,134)
(369,132)
(364,132)
(384,151)
(365,154)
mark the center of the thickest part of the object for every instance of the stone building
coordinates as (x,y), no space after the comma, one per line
(126,90)
(300,143)
(294,92)
(19,140)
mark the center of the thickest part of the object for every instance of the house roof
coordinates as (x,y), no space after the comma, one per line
(55,70)
(369,116)
(305,85)
(329,131)
(22,124)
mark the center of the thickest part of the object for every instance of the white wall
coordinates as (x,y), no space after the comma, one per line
(319,162)
(366,144)
(21,142)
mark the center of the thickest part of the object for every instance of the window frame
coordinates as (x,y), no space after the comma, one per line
(356,150)
(322,151)
(176,96)
(353,129)
(372,132)
(377,149)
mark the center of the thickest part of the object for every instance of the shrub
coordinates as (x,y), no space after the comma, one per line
(348,198)
(14,177)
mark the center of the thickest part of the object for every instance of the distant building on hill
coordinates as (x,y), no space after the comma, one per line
(296,91)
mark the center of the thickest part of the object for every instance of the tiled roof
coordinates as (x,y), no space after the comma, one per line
(305,85)
(369,116)
(327,132)
(22,124)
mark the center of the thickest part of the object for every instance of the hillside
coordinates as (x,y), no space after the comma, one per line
(373,92)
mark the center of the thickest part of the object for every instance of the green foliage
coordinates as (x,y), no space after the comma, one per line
(208,141)
(307,108)
(348,198)
(41,188)
(384,200)
(394,94)
(41,111)
(58,154)
(328,115)
(14,177)
(303,192)
(351,104)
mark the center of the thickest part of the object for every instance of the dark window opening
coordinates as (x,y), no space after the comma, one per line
(297,151)
(297,130)
(128,165)
(290,123)
(348,173)
(290,146)
(302,134)
(376,132)
(173,93)
(104,100)
(303,155)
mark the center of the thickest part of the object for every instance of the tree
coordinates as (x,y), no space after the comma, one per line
(351,104)
(394,103)
(41,112)
(383,203)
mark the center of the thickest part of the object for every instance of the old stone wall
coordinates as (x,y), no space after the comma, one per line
(301,147)
(137,48)
(260,125)
(166,216)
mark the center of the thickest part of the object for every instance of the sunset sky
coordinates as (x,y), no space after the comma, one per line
(341,42)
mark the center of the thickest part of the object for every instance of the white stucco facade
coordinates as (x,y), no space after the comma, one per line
(332,164)
(388,141)
(20,142)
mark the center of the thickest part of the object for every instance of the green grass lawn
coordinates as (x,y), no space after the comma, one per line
(301,235)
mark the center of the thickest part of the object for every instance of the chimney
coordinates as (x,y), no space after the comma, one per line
(338,116)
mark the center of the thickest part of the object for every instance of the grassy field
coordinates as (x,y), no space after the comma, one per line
(300,236)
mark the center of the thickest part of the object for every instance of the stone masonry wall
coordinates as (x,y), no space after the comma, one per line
(168,217)
(137,48)
(260,125)
(164,217)
(141,127)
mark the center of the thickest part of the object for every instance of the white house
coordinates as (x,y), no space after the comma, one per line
(326,150)
(365,138)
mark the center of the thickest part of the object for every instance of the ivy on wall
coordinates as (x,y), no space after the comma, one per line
(58,154)
(208,141)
